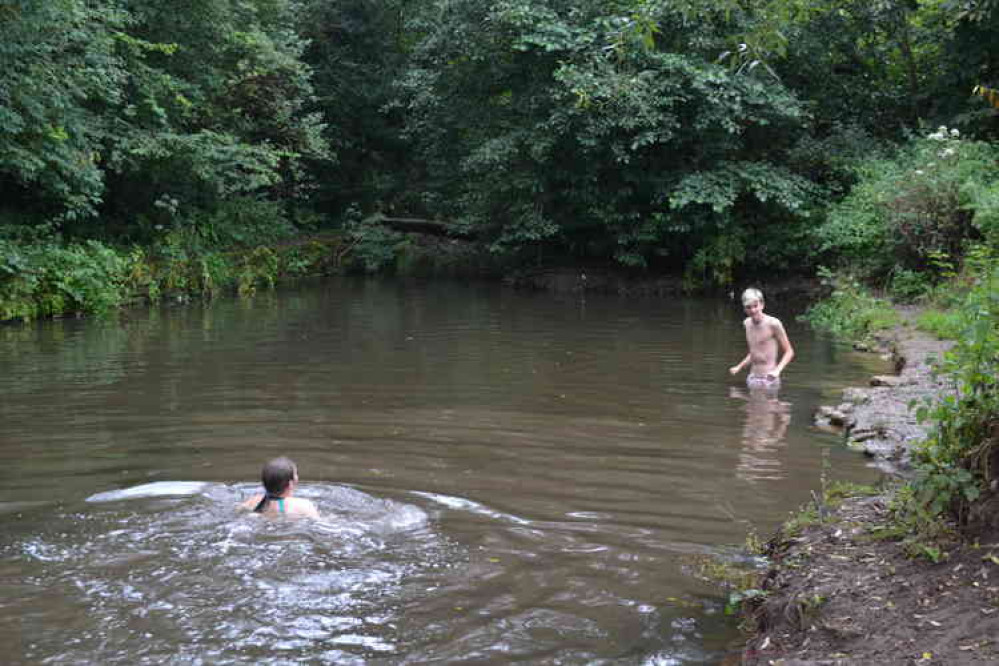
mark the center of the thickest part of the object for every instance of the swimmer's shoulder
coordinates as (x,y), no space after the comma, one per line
(303,507)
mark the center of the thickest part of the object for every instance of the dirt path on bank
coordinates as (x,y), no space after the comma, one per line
(836,593)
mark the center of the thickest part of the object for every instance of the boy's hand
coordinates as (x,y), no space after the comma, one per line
(734,370)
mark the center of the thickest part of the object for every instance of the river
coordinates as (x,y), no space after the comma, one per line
(505,477)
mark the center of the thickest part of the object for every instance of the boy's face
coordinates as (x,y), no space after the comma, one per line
(754,309)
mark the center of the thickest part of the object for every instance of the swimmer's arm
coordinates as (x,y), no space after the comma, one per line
(250,504)
(787,351)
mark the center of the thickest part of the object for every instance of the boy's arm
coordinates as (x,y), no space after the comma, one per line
(736,369)
(784,344)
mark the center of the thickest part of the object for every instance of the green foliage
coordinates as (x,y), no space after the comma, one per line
(945,325)
(311,258)
(922,533)
(357,50)
(956,461)
(908,286)
(737,598)
(850,312)
(61,74)
(110,109)
(45,279)
(692,137)
(604,130)
(241,222)
(907,211)
(840,490)
(984,195)
(830,158)
(258,267)
(373,245)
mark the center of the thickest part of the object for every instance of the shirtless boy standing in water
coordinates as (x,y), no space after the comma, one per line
(766,337)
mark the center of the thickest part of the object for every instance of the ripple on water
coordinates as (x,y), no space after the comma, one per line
(166,566)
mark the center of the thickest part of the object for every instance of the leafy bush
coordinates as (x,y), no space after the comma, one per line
(375,246)
(258,267)
(52,277)
(49,278)
(907,211)
(907,286)
(960,456)
(850,312)
(985,201)
(242,222)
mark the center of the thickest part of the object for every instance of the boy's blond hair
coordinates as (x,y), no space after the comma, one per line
(750,295)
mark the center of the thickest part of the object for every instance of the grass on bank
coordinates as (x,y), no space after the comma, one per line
(48,278)
(44,275)
(957,464)
(851,311)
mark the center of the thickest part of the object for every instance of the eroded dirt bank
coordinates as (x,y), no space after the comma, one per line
(838,593)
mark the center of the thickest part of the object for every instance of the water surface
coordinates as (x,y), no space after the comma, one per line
(505,477)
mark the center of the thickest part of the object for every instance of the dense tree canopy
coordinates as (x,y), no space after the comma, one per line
(127,111)
(705,138)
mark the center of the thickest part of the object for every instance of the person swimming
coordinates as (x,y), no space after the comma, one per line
(280,479)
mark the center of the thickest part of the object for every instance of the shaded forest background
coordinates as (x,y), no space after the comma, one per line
(708,140)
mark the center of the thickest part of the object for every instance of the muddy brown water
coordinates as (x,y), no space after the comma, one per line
(504,477)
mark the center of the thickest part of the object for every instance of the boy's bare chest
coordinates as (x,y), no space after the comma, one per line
(759,333)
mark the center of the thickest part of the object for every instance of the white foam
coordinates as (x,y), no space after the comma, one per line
(462,504)
(155,489)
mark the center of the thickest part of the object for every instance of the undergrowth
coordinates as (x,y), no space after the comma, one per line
(850,312)
(52,277)
(958,461)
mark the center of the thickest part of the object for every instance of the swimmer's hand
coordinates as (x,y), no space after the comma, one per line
(734,370)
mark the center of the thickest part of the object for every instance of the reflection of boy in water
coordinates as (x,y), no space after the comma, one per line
(767,420)
(280,477)
(765,337)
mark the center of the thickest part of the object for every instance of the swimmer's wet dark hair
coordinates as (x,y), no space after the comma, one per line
(276,475)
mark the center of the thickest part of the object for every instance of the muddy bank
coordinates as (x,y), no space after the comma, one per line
(838,591)
(837,594)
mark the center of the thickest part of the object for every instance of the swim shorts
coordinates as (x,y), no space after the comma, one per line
(762,381)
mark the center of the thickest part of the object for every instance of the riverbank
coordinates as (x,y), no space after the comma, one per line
(54,277)
(841,590)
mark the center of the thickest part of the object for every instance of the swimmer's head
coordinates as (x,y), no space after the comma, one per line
(752,295)
(278,474)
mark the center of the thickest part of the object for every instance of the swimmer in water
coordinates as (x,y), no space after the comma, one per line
(280,477)
(766,338)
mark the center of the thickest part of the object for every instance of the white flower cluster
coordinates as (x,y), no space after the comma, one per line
(942,134)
